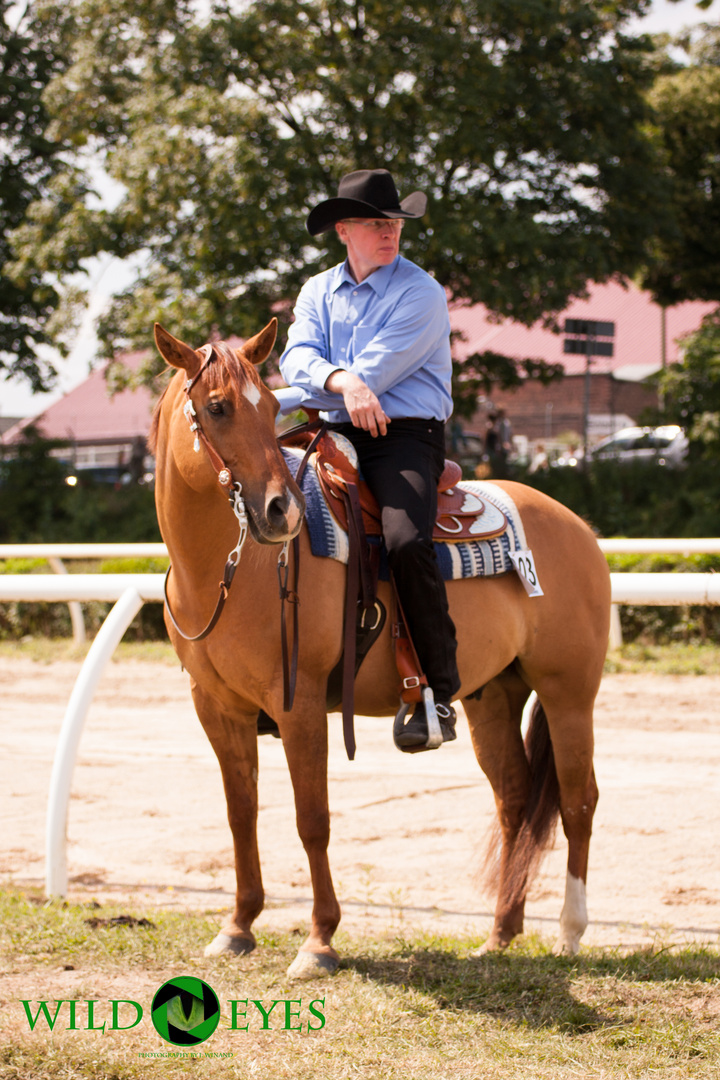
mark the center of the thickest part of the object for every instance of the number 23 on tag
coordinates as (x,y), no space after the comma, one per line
(524,563)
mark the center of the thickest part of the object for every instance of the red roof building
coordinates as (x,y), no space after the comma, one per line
(104,430)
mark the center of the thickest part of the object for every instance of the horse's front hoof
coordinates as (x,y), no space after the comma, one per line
(310,965)
(567,946)
(227,945)
(494,944)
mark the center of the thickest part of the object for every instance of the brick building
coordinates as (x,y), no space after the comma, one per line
(546,412)
(614,391)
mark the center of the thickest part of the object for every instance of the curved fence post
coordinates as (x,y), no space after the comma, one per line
(76,612)
(102,648)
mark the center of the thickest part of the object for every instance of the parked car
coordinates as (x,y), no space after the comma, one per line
(666,445)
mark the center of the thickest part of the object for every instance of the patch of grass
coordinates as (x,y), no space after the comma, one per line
(160,652)
(143,565)
(676,659)
(49,650)
(55,933)
(24,566)
(411,1006)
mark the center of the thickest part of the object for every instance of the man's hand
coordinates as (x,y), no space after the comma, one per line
(365,410)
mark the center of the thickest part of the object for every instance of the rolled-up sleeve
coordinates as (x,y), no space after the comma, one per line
(291,398)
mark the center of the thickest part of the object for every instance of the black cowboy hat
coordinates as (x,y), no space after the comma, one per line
(367,193)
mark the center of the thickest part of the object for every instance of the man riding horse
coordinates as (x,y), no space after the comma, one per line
(370,347)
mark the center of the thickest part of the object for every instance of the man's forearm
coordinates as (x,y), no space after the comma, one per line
(362,405)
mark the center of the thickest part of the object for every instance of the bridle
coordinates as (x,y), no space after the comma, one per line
(233,488)
(224,474)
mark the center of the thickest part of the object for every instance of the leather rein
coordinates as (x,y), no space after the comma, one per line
(233,489)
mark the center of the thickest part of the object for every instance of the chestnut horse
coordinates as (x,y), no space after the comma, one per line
(509,645)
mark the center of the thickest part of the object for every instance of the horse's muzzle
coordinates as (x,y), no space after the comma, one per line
(280,520)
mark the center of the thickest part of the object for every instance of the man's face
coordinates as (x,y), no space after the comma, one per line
(371,243)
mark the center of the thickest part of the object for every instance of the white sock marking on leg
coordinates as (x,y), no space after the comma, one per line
(573,919)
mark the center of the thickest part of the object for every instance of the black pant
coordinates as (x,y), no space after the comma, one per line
(402,469)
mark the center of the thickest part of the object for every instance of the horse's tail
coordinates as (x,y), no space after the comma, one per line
(537,828)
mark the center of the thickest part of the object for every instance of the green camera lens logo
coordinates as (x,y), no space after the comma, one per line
(185,1011)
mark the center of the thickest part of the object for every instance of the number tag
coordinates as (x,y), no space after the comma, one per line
(525,565)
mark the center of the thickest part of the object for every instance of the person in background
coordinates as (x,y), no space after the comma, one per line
(539,459)
(505,436)
(498,443)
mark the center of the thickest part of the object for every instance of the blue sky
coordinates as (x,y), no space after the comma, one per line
(15,397)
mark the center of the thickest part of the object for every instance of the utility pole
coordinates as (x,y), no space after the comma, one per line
(663,359)
(584,342)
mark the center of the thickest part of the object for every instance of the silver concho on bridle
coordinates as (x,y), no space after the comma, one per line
(189,411)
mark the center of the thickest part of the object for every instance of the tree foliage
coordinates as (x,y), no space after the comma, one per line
(691,388)
(38,505)
(687,106)
(32,484)
(32,53)
(524,121)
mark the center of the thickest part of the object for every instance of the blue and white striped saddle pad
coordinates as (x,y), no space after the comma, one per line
(475,558)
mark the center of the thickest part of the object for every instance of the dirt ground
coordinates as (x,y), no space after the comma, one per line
(147,816)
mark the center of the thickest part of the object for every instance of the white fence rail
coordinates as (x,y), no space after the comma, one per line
(68,587)
(82,551)
(645,589)
(130,591)
(662,546)
(55,553)
(709,545)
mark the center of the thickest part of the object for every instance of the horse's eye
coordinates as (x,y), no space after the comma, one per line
(216,408)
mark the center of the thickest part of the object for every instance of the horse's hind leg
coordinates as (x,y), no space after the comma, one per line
(571,728)
(497,740)
(234,740)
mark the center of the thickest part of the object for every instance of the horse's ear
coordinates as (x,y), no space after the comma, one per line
(258,348)
(175,352)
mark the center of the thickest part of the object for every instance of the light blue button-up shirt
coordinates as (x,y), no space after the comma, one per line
(392,329)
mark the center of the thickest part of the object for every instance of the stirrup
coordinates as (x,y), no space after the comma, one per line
(435,735)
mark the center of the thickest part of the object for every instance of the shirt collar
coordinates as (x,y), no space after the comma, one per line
(379,280)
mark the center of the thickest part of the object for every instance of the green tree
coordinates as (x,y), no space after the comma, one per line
(686,101)
(692,388)
(525,121)
(32,52)
(687,107)
(33,489)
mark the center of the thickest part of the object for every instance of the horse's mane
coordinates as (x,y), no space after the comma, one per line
(227,366)
(155,422)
